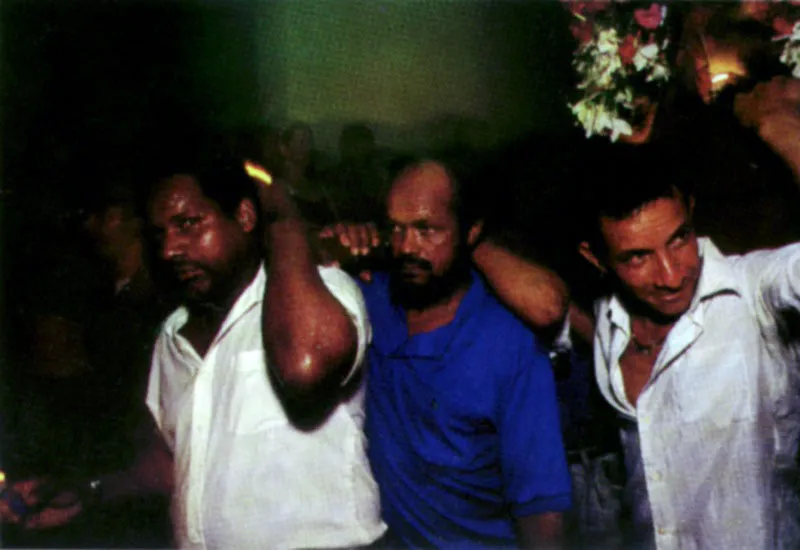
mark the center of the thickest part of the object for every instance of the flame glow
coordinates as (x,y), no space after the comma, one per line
(721,77)
(257,172)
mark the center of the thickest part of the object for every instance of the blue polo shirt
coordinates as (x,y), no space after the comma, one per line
(462,423)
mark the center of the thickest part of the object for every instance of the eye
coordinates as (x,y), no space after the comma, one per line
(186,224)
(635,259)
(681,238)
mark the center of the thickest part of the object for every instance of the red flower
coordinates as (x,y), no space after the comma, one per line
(581,31)
(627,50)
(585,8)
(649,18)
(781,26)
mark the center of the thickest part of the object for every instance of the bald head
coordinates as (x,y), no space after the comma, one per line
(430,246)
(426,187)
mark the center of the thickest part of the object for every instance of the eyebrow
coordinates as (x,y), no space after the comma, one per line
(184,216)
(684,228)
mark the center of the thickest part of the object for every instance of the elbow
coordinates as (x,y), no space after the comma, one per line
(299,375)
(310,374)
(307,362)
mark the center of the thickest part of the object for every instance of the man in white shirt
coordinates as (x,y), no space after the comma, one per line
(255,384)
(698,354)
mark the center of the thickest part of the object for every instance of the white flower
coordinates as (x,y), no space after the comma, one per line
(620,127)
(659,72)
(596,119)
(607,85)
(790,56)
(644,56)
(608,41)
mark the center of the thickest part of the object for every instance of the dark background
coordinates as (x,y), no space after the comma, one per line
(92,89)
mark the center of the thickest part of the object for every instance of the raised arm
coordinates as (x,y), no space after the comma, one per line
(310,338)
(771,109)
(530,290)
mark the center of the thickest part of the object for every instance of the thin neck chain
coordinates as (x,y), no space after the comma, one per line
(646,349)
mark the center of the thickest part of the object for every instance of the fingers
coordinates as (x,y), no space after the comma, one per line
(359,238)
(27,491)
(33,504)
(18,499)
(6,513)
(53,516)
(353,240)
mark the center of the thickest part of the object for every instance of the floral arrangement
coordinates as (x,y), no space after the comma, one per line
(624,53)
(621,62)
(790,56)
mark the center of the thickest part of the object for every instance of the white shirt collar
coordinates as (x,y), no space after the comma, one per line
(249,298)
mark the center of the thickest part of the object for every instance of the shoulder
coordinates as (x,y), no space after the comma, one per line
(376,292)
(345,289)
(494,325)
(172,324)
(338,280)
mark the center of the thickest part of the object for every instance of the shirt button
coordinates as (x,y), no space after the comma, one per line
(656,476)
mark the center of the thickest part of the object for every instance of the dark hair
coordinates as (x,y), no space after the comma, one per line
(221,177)
(617,180)
(464,170)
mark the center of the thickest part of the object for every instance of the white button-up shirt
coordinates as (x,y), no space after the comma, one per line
(245,476)
(713,436)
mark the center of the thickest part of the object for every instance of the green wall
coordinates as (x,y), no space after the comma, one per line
(418,72)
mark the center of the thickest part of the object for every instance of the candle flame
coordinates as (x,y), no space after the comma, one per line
(2,477)
(257,172)
(721,77)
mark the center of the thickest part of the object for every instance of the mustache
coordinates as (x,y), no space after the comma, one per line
(412,261)
(181,266)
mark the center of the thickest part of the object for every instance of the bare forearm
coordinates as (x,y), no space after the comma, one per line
(308,335)
(784,139)
(532,291)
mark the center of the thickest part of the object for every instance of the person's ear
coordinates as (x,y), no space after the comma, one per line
(474,233)
(586,251)
(246,215)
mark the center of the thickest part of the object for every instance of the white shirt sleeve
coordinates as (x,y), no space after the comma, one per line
(773,280)
(349,295)
(773,277)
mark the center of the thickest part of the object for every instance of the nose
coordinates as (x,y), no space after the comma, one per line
(404,241)
(670,273)
(173,246)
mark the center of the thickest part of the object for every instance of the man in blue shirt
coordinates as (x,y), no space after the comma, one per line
(462,420)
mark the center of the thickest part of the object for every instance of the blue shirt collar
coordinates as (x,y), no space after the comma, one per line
(436,343)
